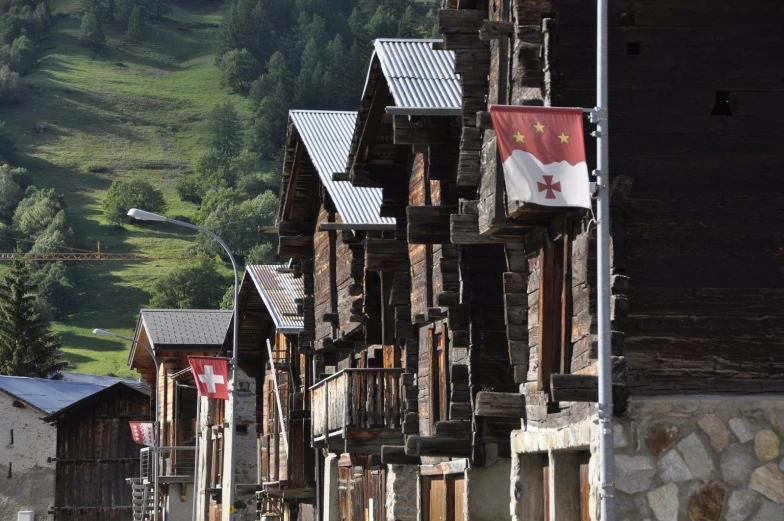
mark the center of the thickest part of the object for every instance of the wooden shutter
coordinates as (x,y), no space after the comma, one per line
(443,375)
(585,489)
(459,498)
(546,493)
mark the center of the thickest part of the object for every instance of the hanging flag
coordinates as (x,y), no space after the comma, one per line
(211,375)
(143,433)
(543,154)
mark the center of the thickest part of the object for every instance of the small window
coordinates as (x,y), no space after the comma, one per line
(439,377)
(722,105)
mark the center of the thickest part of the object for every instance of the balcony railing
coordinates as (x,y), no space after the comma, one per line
(175,464)
(357,404)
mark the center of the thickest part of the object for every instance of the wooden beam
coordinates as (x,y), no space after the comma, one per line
(373,119)
(299,148)
(500,405)
(298,246)
(464,229)
(424,131)
(429,224)
(396,454)
(495,29)
(438,447)
(385,254)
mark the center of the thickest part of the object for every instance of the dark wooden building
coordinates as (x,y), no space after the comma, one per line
(696,282)
(96,454)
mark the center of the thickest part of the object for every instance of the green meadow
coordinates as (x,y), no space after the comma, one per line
(133,110)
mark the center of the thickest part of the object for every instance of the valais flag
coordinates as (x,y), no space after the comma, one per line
(543,154)
(143,433)
(211,375)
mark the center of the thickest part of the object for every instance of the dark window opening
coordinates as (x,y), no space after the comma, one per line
(18,404)
(633,48)
(242,429)
(722,105)
(12,437)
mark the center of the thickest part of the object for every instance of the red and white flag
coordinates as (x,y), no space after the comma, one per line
(543,154)
(211,375)
(143,433)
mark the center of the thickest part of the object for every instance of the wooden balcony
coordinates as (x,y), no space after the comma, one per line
(358,410)
(175,464)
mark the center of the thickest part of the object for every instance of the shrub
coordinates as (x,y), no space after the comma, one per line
(40,211)
(10,91)
(191,286)
(10,193)
(125,194)
(239,69)
(90,32)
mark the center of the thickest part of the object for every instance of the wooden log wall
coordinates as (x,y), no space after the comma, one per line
(695,207)
(95,454)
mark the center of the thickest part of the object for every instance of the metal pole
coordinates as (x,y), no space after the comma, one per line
(317,451)
(605,405)
(282,425)
(196,458)
(233,375)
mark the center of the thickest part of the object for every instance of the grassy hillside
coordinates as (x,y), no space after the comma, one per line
(132,110)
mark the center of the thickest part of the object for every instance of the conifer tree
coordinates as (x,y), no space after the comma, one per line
(27,345)
(90,32)
(135,25)
(225,129)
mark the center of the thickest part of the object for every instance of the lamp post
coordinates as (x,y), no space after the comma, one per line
(155,424)
(141,215)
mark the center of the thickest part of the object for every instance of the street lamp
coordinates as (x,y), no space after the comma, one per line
(141,215)
(155,425)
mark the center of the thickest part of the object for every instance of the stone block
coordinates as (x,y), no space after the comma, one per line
(402,491)
(742,429)
(697,457)
(716,431)
(767,445)
(737,462)
(660,436)
(769,512)
(741,504)
(664,502)
(633,473)
(768,480)
(705,501)
(672,468)
(620,437)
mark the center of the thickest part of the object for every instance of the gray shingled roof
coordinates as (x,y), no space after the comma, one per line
(327,138)
(422,80)
(186,327)
(51,396)
(278,288)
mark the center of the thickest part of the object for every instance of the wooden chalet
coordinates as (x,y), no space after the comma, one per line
(173,335)
(450,319)
(696,277)
(96,453)
(330,228)
(269,325)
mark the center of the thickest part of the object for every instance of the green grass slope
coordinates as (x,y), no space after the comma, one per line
(132,110)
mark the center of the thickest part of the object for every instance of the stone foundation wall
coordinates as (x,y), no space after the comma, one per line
(707,459)
(402,492)
(701,460)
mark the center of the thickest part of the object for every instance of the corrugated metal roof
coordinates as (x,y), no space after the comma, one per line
(186,327)
(327,137)
(420,78)
(106,381)
(278,289)
(51,396)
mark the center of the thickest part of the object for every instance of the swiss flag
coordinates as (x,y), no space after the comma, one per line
(143,433)
(211,375)
(543,154)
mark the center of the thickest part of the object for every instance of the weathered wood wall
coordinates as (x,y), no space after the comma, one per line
(95,455)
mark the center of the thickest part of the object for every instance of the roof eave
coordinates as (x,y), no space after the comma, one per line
(424,111)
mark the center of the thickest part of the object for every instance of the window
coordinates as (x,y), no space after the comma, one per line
(559,486)
(439,376)
(555,308)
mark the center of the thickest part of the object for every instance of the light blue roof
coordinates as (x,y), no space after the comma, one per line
(51,396)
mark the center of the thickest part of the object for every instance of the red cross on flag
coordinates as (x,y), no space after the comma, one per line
(211,375)
(543,154)
(143,433)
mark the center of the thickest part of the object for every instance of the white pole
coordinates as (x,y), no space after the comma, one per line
(605,405)
(196,457)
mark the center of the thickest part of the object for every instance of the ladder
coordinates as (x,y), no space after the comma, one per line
(143,500)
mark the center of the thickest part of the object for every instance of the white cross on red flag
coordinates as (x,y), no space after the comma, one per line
(211,375)
(143,433)
(543,154)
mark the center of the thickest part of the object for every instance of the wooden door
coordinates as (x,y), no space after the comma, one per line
(546,493)
(459,497)
(378,495)
(585,488)
(344,492)
(358,496)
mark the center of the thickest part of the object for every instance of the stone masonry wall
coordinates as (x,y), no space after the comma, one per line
(706,460)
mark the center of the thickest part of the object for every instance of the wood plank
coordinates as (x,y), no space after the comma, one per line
(500,405)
